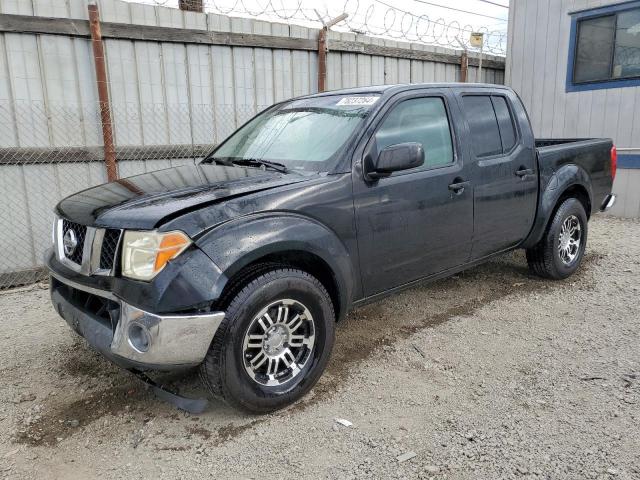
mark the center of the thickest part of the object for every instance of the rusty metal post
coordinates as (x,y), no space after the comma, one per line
(323,48)
(322,59)
(103,92)
(464,66)
(191,5)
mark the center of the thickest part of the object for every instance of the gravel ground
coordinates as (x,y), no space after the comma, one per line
(490,374)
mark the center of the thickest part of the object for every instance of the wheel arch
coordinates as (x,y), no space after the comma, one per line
(580,193)
(571,181)
(299,259)
(240,247)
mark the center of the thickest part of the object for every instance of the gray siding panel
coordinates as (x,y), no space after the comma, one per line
(536,68)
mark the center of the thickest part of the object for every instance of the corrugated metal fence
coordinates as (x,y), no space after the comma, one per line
(179,82)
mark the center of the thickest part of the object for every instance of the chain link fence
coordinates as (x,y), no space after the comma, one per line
(170,101)
(48,152)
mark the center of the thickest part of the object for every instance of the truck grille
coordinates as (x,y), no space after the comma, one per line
(80,232)
(95,251)
(109,248)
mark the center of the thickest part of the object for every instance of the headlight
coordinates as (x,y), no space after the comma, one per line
(144,254)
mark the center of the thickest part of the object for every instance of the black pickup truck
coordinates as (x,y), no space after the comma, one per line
(242,264)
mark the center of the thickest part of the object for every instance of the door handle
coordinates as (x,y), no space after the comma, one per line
(458,187)
(523,172)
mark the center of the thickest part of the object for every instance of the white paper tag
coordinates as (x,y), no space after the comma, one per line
(344,422)
(357,101)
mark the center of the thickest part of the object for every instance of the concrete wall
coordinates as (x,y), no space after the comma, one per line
(536,67)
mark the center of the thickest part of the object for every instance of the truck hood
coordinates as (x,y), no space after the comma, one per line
(145,201)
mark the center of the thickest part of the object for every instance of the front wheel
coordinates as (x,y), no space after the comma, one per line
(274,342)
(559,253)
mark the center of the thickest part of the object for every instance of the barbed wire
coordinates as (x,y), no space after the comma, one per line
(376,18)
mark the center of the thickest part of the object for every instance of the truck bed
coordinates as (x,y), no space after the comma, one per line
(591,155)
(547,142)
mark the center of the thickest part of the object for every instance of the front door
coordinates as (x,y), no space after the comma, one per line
(416,222)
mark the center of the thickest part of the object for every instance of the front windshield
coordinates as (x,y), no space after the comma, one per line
(302,134)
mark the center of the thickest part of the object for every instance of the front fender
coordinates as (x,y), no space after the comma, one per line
(239,242)
(564,178)
(187,282)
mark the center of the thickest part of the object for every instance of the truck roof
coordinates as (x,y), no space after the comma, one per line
(400,87)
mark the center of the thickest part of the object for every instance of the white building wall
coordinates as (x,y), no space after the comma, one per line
(536,68)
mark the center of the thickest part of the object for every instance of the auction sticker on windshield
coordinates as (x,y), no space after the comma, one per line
(357,100)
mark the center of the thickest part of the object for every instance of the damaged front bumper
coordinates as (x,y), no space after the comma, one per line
(130,337)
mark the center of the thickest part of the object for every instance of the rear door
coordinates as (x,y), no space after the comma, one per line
(416,222)
(505,176)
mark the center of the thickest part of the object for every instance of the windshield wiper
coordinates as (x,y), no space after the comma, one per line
(280,167)
(251,162)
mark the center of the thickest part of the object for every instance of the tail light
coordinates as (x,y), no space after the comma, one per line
(614,162)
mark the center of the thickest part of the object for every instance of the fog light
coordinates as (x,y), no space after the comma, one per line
(139,337)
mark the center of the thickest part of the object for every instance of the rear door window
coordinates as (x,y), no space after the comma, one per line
(492,128)
(483,123)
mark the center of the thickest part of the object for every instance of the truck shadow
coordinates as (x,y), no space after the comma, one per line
(360,335)
(380,324)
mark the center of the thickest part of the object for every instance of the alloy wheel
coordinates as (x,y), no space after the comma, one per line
(569,239)
(279,342)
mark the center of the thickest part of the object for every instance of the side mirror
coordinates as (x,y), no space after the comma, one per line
(402,156)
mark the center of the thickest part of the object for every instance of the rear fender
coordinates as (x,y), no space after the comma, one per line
(563,179)
(240,242)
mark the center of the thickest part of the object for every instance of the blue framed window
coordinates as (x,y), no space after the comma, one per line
(604,48)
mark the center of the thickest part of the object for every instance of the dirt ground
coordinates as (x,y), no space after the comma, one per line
(490,374)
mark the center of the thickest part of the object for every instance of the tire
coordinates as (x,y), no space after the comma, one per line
(227,369)
(547,259)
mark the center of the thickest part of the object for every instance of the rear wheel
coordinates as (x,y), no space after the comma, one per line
(559,253)
(274,342)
